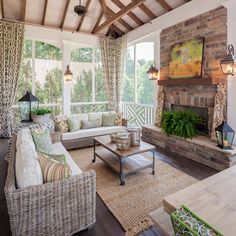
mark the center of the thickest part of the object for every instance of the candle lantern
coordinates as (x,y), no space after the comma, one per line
(225,136)
(27,103)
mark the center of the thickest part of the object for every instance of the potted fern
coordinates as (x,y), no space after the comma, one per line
(41,115)
(181,123)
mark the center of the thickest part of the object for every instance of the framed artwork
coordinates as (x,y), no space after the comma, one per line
(186,59)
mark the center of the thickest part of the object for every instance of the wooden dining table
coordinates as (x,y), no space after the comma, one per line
(212,199)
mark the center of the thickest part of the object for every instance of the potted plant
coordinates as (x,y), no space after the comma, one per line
(41,115)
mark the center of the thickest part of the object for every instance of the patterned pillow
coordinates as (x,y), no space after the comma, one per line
(118,120)
(74,123)
(53,170)
(61,124)
(57,157)
(108,118)
(42,139)
(90,124)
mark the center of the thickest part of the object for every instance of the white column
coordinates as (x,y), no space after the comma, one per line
(66,95)
(157,52)
(231,35)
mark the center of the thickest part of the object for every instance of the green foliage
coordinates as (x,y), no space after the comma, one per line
(41,111)
(47,51)
(181,123)
(82,55)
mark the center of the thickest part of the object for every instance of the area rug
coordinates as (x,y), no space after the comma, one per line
(142,193)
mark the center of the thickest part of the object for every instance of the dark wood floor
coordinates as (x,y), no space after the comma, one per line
(106,224)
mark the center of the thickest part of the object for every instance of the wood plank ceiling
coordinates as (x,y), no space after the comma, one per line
(103,17)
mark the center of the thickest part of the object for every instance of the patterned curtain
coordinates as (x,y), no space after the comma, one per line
(11,43)
(113,53)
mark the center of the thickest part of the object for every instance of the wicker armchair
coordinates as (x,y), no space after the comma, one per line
(58,208)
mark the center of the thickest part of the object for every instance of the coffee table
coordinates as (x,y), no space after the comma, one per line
(123,162)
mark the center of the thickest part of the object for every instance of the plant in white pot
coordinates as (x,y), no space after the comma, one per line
(43,116)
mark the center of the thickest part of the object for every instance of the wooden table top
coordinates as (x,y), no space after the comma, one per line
(212,199)
(105,141)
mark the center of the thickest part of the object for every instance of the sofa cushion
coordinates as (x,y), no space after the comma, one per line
(53,170)
(23,136)
(58,148)
(85,133)
(108,118)
(28,171)
(90,124)
(61,123)
(95,116)
(118,120)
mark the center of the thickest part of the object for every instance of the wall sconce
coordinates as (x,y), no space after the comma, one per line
(68,76)
(228,63)
(153,72)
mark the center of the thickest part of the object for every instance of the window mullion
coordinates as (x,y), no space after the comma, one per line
(33,67)
(93,77)
(135,77)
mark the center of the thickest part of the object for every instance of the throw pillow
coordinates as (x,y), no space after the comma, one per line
(118,120)
(95,116)
(61,124)
(108,118)
(42,139)
(90,124)
(57,157)
(74,123)
(53,170)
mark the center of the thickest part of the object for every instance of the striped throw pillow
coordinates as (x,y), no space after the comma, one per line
(53,170)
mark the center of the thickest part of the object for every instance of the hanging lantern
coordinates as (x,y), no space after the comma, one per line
(153,72)
(228,63)
(68,76)
(26,104)
(225,136)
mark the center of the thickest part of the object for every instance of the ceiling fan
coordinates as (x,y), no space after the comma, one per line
(80,10)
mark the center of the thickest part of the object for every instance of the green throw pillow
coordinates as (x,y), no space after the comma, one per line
(108,119)
(74,123)
(42,139)
(57,157)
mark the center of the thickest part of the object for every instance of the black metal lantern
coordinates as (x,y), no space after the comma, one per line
(228,63)
(225,136)
(68,76)
(153,72)
(27,103)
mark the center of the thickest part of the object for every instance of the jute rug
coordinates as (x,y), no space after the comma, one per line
(142,193)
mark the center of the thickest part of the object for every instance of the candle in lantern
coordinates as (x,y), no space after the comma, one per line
(226,143)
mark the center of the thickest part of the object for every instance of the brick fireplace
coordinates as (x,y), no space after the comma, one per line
(199,94)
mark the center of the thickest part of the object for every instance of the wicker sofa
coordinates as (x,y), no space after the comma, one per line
(84,137)
(57,208)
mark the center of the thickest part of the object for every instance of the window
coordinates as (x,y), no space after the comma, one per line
(129,76)
(137,87)
(25,75)
(100,85)
(82,67)
(48,73)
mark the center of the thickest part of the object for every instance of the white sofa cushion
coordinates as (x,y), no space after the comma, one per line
(83,116)
(85,133)
(58,148)
(23,136)
(95,116)
(28,170)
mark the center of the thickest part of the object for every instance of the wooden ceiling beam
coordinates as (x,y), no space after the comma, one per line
(147,11)
(44,11)
(121,21)
(130,14)
(23,9)
(82,17)
(118,15)
(65,13)
(2,9)
(164,4)
(98,22)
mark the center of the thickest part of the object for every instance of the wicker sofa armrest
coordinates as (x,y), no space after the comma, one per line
(56,137)
(58,208)
(125,122)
